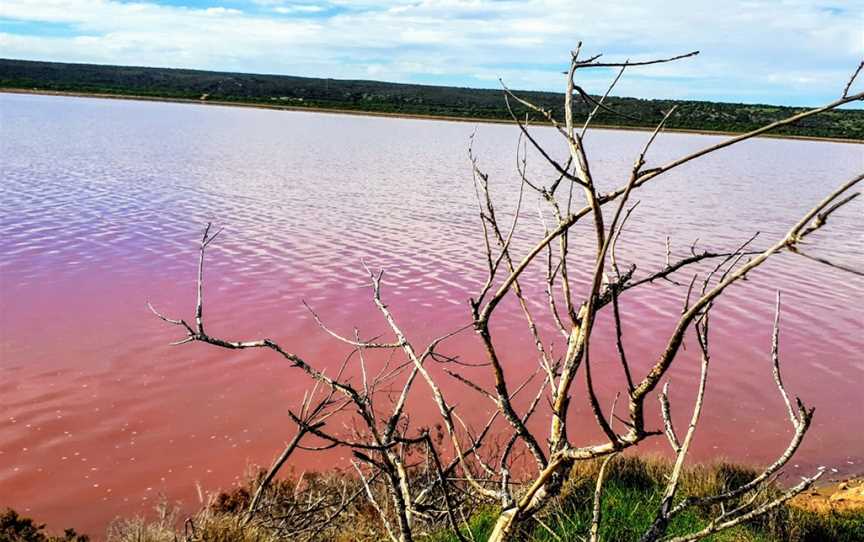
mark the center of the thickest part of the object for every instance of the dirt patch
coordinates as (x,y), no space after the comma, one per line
(846,496)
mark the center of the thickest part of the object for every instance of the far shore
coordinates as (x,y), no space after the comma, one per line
(415,116)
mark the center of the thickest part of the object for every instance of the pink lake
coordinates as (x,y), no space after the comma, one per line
(102,203)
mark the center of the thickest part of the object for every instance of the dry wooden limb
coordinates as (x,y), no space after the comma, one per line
(800,420)
(590,63)
(597,508)
(311,416)
(663,512)
(603,99)
(374,502)
(728,520)
(852,79)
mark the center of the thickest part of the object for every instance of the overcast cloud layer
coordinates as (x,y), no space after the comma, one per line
(792,52)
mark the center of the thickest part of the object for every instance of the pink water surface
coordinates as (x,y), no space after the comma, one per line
(102,203)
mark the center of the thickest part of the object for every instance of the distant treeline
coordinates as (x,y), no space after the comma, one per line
(396,98)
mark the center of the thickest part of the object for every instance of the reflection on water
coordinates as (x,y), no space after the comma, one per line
(102,203)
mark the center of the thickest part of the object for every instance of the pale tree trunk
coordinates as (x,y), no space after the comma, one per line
(504,525)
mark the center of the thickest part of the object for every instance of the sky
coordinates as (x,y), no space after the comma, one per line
(790,52)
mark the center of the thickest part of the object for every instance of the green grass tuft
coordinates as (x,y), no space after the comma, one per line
(632,494)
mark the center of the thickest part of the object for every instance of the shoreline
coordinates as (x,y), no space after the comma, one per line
(412,116)
(827,508)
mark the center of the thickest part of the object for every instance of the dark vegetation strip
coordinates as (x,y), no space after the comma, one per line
(633,490)
(403,99)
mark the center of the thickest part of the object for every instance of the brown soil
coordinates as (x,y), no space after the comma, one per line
(846,496)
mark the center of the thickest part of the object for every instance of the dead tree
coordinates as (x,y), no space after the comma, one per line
(436,491)
(418,492)
(553,450)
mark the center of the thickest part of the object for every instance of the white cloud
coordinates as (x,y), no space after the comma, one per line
(790,51)
(298,9)
(222,11)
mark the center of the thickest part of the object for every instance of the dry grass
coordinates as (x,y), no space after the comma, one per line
(206,526)
(633,489)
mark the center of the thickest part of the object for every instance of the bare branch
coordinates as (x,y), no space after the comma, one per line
(666,411)
(357,343)
(852,79)
(775,363)
(602,99)
(591,64)
(717,526)
(371,496)
(598,496)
